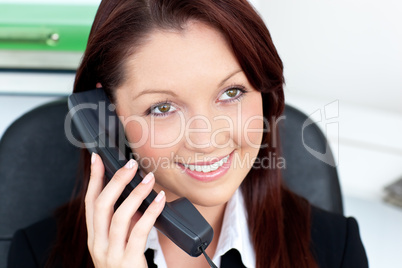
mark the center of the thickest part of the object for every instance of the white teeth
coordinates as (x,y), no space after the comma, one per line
(207,168)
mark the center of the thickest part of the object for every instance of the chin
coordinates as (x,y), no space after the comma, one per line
(210,199)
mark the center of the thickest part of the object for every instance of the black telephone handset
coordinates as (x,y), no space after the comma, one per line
(97,124)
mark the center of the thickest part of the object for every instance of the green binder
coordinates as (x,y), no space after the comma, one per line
(43,36)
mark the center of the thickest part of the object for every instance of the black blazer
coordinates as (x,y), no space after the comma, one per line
(335,243)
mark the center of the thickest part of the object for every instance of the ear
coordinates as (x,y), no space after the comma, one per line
(98,85)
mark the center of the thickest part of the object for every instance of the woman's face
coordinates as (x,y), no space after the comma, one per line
(190,114)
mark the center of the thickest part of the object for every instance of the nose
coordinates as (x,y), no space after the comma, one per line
(205,134)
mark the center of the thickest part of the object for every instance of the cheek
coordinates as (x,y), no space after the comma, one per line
(167,133)
(252,123)
(153,134)
(253,130)
(137,131)
(153,146)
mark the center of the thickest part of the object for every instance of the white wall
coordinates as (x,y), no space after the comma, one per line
(351,52)
(347,49)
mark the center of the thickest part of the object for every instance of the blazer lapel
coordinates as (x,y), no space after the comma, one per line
(230,259)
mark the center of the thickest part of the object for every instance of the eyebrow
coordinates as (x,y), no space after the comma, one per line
(169,92)
(156,91)
(229,76)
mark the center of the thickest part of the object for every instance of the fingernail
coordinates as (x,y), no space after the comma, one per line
(148,178)
(93,158)
(160,196)
(130,164)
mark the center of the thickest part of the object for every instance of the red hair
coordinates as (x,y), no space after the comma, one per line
(279,221)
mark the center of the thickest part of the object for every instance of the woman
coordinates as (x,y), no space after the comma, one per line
(207,81)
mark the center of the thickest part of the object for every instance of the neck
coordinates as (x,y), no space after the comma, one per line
(214,216)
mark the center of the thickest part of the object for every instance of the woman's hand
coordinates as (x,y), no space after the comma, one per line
(118,238)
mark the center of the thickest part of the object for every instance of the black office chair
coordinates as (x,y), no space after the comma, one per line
(38,167)
(37,170)
(314,178)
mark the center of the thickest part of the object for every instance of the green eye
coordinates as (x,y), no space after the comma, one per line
(231,93)
(162,109)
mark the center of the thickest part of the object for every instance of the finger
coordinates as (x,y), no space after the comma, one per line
(104,204)
(134,220)
(122,218)
(94,189)
(139,234)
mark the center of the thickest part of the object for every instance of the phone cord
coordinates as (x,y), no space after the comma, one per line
(210,262)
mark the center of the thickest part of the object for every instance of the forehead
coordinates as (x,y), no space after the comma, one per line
(196,52)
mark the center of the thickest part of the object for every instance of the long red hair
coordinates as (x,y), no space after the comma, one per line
(278,220)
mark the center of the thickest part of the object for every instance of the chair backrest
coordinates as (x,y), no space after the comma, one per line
(312,177)
(38,168)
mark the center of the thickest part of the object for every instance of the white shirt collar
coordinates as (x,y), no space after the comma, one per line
(234,234)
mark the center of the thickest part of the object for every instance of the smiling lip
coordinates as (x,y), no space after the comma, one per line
(208,176)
